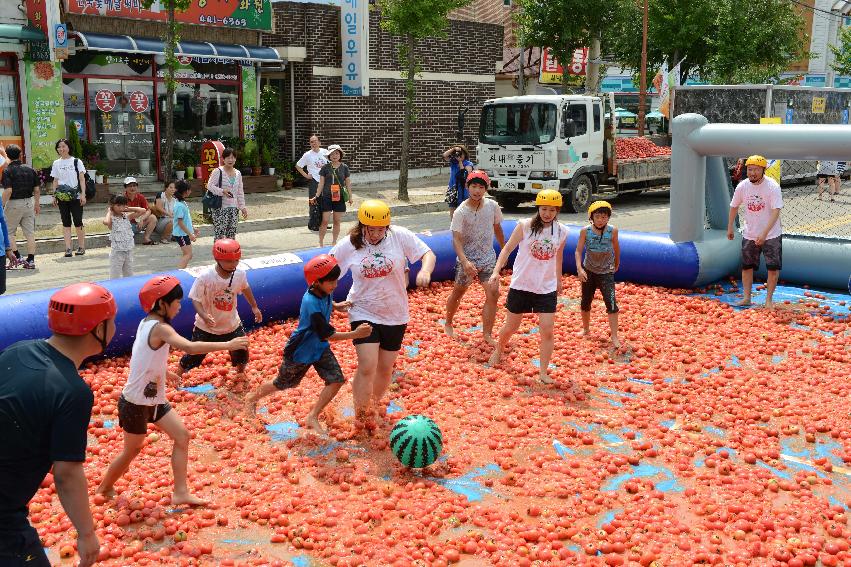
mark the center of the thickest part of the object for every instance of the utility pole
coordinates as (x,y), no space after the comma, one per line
(642,94)
(521,73)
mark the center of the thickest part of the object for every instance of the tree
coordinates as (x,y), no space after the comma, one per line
(413,20)
(171,37)
(842,53)
(567,25)
(724,41)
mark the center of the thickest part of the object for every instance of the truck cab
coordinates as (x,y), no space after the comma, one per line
(530,143)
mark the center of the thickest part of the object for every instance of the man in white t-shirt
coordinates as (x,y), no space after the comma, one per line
(311,163)
(762,233)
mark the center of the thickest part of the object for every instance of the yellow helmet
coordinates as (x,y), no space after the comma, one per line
(596,205)
(374,212)
(757,160)
(548,198)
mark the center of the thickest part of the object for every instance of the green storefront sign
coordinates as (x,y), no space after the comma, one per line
(249,106)
(46,110)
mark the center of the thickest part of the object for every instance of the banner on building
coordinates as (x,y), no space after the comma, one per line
(354,24)
(249,107)
(44,15)
(46,110)
(239,14)
(552,71)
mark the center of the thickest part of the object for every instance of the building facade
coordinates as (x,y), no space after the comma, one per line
(457,76)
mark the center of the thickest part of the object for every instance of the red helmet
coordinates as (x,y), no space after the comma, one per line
(227,249)
(156,288)
(481,176)
(318,267)
(78,308)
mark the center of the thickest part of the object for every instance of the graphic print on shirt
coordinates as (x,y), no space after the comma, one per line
(543,248)
(755,203)
(376,265)
(224,300)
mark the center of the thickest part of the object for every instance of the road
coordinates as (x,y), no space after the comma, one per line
(646,213)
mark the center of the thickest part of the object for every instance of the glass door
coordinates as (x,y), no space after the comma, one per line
(122,124)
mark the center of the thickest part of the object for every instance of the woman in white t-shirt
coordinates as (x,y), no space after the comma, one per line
(164,206)
(536,277)
(69,194)
(376,254)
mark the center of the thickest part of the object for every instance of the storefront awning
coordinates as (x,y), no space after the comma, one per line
(21,33)
(149,46)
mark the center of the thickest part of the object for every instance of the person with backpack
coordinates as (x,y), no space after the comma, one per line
(21,192)
(69,194)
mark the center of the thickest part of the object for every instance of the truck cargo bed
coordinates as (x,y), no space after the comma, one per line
(642,170)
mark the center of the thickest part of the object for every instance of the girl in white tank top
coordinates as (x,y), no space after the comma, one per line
(148,368)
(536,277)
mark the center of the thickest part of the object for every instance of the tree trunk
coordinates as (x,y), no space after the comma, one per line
(592,79)
(409,117)
(168,151)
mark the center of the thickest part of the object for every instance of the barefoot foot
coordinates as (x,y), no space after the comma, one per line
(489,339)
(743,302)
(583,333)
(495,357)
(545,379)
(312,423)
(449,330)
(108,493)
(186,499)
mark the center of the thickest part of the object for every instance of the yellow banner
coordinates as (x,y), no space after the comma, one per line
(774,165)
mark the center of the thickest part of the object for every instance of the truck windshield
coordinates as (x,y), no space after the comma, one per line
(518,123)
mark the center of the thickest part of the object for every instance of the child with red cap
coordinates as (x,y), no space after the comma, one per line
(308,345)
(143,399)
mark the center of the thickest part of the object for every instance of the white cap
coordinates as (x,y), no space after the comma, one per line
(335,148)
(129,180)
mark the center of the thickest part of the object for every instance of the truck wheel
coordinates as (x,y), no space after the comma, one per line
(579,194)
(507,202)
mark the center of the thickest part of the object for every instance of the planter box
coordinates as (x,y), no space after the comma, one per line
(259,184)
(101,193)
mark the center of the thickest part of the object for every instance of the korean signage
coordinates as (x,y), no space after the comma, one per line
(44,15)
(46,110)
(211,158)
(240,14)
(552,70)
(249,104)
(105,100)
(819,104)
(354,23)
(138,101)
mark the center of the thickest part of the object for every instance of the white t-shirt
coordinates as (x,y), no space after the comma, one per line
(218,296)
(476,228)
(168,204)
(146,365)
(379,282)
(63,171)
(314,161)
(535,264)
(828,167)
(759,201)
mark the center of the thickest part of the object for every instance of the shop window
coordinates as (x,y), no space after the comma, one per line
(10,123)
(203,112)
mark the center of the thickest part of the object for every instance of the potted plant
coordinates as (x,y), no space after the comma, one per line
(266,160)
(252,159)
(189,159)
(178,167)
(286,180)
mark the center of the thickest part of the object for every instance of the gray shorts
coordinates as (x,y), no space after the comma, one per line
(772,249)
(161,224)
(21,212)
(485,272)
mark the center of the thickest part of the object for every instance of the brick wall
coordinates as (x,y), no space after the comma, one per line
(370,128)
(492,12)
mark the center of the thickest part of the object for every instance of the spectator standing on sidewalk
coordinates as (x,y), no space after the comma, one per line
(145,223)
(226,181)
(69,194)
(828,171)
(333,192)
(459,166)
(21,193)
(311,163)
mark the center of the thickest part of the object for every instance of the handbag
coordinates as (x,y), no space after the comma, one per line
(211,200)
(338,188)
(315,218)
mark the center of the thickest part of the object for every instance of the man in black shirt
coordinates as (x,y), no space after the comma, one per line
(21,193)
(45,408)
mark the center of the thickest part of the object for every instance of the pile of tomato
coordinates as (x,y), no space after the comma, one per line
(639,148)
(719,436)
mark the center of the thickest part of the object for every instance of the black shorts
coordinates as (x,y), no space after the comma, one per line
(606,284)
(519,301)
(326,205)
(825,176)
(388,337)
(71,210)
(291,373)
(135,419)
(772,249)
(21,547)
(237,357)
(182,240)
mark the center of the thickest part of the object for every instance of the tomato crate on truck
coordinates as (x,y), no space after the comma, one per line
(563,142)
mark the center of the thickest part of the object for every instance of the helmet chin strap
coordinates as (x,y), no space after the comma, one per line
(223,268)
(103,342)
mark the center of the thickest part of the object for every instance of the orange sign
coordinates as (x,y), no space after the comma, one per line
(211,158)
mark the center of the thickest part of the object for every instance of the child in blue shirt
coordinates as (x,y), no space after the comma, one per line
(182,231)
(308,345)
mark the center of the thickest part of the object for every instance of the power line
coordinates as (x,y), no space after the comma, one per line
(813,9)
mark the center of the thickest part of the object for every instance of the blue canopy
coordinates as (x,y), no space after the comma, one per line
(150,46)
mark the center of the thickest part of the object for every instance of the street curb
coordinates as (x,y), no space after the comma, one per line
(57,244)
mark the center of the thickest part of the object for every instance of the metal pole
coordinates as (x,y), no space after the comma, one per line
(521,73)
(642,95)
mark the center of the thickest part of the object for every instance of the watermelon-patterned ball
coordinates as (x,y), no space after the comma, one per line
(416,441)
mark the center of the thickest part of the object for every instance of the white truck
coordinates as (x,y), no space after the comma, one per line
(562,142)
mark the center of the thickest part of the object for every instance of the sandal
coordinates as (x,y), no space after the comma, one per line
(149,243)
